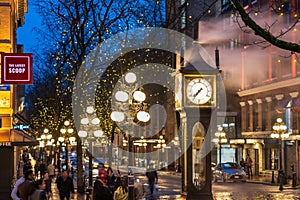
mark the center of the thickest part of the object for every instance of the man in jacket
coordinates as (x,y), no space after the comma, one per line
(152,179)
(26,188)
(65,185)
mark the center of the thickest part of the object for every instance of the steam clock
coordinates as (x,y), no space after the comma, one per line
(196,101)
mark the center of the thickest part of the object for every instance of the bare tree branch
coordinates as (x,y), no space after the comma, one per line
(293,47)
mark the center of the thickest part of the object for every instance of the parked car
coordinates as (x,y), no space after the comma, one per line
(229,171)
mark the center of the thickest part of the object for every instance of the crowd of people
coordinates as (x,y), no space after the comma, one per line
(115,187)
(35,184)
(29,188)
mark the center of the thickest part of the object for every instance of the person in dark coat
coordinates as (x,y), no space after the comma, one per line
(42,168)
(101,191)
(48,182)
(26,188)
(39,192)
(111,180)
(65,185)
(152,179)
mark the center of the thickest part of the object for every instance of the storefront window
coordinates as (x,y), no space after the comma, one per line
(227,150)
(274,159)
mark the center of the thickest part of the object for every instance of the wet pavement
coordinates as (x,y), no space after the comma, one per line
(251,191)
(256,188)
(285,195)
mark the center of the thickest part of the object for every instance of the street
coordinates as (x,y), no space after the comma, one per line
(249,191)
(171,185)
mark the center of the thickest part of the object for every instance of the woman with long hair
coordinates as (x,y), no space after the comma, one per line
(122,191)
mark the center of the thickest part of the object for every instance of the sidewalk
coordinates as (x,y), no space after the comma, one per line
(76,196)
(267,180)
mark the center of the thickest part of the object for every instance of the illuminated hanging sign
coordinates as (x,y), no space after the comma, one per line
(16,68)
(4,87)
(21,127)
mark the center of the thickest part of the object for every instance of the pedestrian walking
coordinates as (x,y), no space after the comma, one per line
(101,191)
(111,180)
(48,182)
(36,168)
(122,191)
(152,179)
(249,165)
(14,193)
(26,188)
(242,163)
(39,192)
(65,185)
(42,168)
(139,190)
(51,170)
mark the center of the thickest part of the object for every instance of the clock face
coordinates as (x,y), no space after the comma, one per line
(199,91)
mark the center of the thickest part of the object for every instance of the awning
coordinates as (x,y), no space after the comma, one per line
(282,104)
(16,138)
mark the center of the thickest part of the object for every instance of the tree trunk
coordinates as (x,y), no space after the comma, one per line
(80,178)
(110,153)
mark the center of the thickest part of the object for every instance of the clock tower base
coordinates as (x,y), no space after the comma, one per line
(197,196)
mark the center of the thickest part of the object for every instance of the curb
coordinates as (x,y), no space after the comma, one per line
(274,184)
(262,182)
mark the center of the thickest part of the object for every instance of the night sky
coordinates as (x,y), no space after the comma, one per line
(25,34)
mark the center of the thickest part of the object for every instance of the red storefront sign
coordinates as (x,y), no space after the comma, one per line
(16,68)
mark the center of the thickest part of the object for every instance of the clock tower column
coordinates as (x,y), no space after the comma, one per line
(197,87)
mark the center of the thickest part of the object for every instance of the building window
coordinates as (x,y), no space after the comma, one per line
(274,159)
(228,125)
(226,5)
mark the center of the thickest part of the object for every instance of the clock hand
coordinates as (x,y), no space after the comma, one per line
(198,92)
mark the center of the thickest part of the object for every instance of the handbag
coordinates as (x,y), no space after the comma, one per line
(156,186)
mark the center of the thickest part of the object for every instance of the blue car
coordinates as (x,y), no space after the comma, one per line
(229,171)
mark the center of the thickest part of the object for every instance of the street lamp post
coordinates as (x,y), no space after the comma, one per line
(220,139)
(135,98)
(44,141)
(93,121)
(279,132)
(161,143)
(68,138)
